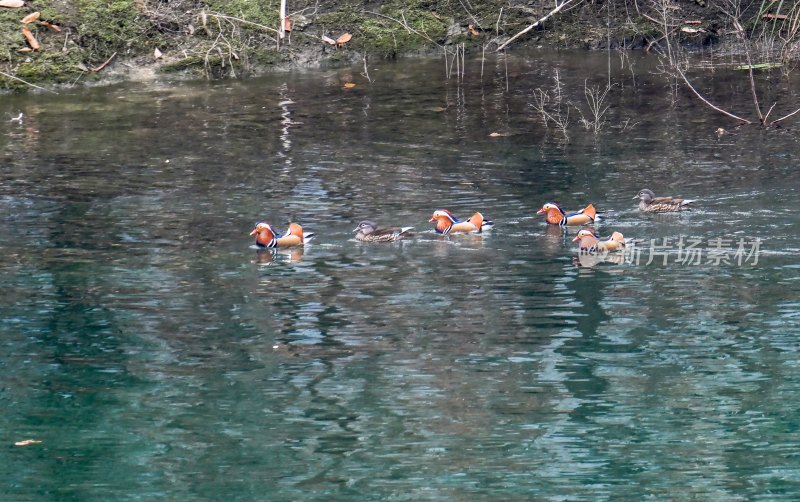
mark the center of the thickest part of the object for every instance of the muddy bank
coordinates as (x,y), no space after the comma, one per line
(84,42)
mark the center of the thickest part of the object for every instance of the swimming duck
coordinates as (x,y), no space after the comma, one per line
(368,231)
(589,241)
(648,202)
(556,216)
(446,223)
(267,237)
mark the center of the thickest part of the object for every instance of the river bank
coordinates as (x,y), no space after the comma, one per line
(91,41)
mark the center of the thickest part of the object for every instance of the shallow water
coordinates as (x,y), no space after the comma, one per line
(157,355)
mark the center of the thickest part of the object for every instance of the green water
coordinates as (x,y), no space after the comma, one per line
(158,356)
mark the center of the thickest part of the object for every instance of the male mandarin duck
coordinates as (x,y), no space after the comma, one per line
(556,216)
(368,231)
(589,241)
(446,223)
(267,237)
(649,203)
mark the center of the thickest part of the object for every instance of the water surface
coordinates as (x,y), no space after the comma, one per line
(157,355)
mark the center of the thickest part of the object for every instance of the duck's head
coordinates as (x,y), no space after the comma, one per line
(585,232)
(442,213)
(261,226)
(645,195)
(366,227)
(548,207)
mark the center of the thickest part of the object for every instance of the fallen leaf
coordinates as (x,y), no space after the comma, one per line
(349,85)
(473,31)
(25,49)
(287,25)
(328,40)
(437,109)
(31,39)
(157,54)
(693,22)
(686,29)
(12,4)
(33,16)
(26,442)
(499,134)
(343,39)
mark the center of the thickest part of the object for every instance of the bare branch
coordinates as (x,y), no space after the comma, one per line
(753,85)
(704,100)
(786,116)
(98,68)
(404,25)
(558,8)
(764,120)
(25,82)
(245,21)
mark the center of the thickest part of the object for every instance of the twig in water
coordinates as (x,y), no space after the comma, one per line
(704,100)
(366,71)
(597,106)
(483,59)
(785,117)
(764,120)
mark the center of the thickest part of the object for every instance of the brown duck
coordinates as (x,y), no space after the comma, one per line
(368,231)
(649,203)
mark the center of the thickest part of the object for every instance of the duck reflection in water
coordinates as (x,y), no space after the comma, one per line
(592,259)
(269,256)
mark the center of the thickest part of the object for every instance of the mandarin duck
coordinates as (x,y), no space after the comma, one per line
(589,241)
(267,237)
(368,231)
(649,203)
(556,216)
(446,223)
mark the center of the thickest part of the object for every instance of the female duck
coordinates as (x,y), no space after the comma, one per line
(649,203)
(368,231)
